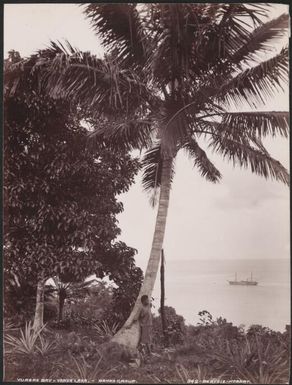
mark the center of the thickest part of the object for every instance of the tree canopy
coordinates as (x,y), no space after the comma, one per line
(60,196)
(169,78)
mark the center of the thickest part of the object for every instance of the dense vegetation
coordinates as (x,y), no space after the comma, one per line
(60,202)
(213,349)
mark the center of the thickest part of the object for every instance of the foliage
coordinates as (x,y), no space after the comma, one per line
(258,355)
(82,370)
(87,307)
(26,344)
(209,353)
(77,343)
(50,309)
(95,304)
(20,297)
(104,329)
(124,296)
(169,79)
(205,318)
(45,346)
(60,196)
(120,267)
(201,374)
(175,328)
(67,291)
(8,326)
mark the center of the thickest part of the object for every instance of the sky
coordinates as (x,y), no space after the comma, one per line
(243,217)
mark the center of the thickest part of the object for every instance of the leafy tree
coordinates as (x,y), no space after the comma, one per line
(60,196)
(119,265)
(171,75)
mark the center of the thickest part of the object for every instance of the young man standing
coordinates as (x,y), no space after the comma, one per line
(144,317)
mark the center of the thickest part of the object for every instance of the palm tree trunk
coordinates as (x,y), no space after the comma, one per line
(39,308)
(162,298)
(129,334)
(61,306)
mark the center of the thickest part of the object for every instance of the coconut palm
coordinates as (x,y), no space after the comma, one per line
(173,77)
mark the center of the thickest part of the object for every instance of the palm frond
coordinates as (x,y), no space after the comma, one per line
(234,25)
(192,38)
(99,84)
(257,83)
(253,12)
(261,123)
(152,168)
(226,28)
(174,130)
(246,156)
(119,27)
(183,119)
(202,162)
(17,74)
(261,39)
(23,75)
(128,134)
(169,60)
(57,47)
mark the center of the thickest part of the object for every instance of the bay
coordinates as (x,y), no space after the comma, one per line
(195,285)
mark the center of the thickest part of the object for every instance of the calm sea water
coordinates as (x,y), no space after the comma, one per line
(192,286)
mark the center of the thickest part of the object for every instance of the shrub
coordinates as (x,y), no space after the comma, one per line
(175,332)
(259,356)
(29,342)
(89,310)
(106,330)
(45,346)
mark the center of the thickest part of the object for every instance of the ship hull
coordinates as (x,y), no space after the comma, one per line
(242,283)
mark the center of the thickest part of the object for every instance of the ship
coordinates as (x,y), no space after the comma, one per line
(246,282)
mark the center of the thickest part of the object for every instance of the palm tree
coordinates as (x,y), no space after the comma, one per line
(65,290)
(174,77)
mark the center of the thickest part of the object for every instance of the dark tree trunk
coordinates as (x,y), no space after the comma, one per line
(62,297)
(162,298)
